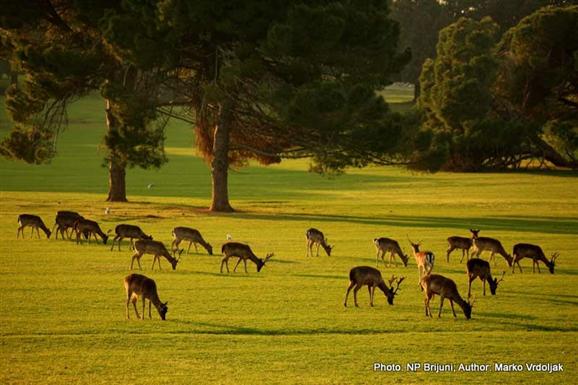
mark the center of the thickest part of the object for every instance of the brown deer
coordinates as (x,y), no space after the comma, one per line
(424,259)
(128,231)
(489,244)
(34,222)
(193,236)
(87,228)
(446,288)
(315,236)
(478,268)
(156,248)
(461,243)
(526,250)
(137,285)
(384,245)
(364,275)
(65,220)
(243,252)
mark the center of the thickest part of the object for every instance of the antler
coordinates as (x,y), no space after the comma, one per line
(399,281)
(502,277)
(269,256)
(391,280)
(555,256)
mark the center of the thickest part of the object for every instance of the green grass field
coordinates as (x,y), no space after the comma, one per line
(62,307)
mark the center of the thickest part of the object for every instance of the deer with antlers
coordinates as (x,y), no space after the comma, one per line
(433,284)
(492,245)
(424,259)
(244,253)
(385,245)
(315,236)
(34,222)
(535,252)
(478,268)
(156,248)
(368,276)
(136,286)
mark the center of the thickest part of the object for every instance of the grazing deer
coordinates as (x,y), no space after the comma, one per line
(489,244)
(128,231)
(315,236)
(191,235)
(243,252)
(424,259)
(87,228)
(446,288)
(65,220)
(364,275)
(137,285)
(461,243)
(478,268)
(156,248)
(526,250)
(384,245)
(33,221)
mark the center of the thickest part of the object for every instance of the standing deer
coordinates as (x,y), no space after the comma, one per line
(461,243)
(33,221)
(489,244)
(137,285)
(128,231)
(364,275)
(478,268)
(315,236)
(191,235)
(243,252)
(446,288)
(156,248)
(87,228)
(384,245)
(424,259)
(65,220)
(526,250)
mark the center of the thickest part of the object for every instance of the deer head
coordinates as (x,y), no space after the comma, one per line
(553,262)
(414,246)
(494,283)
(163,310)
(474,233)
(262,262)
(391,293)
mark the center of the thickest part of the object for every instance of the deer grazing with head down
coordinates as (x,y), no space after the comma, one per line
(384,245)
(535,252)
(368,276)
(65,220)
(193,236)
(460,243)
(446,288)
(489,244)
(478,268)
(244,253)
(34,222)
(315,236)
(87,228)
(424,259)
(128,231)
(156,248)
(136,286)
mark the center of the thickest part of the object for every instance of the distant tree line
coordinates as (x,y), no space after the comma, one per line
(272,79)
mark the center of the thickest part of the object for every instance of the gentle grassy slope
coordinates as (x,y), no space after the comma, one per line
(62,304)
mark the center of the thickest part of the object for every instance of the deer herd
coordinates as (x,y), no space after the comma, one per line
(71,223)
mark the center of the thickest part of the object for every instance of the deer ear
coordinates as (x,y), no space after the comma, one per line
(166,303)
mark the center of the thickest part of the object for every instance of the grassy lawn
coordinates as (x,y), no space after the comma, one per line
(62,307)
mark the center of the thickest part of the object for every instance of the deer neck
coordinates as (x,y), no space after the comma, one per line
(383,287)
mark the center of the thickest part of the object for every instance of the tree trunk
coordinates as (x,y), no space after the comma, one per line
(116,167)
(416,91)
(220,163)
(116,181)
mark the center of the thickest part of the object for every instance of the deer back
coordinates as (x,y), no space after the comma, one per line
(479,268)
(131,231)
(187,233)
(460,242)
(365,275)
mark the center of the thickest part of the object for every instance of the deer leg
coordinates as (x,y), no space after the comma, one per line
(377,259)
(469,286)
(453,311)
(347,293)
(357,287)
(370,298)
(119,240)
(317,253)
(135,309)
(143,308)
(129,295)
(225,262)
(538,265)
(245,263)
(441,306)
(428,299)
(135,256)
(196,248)
(150,305)
(484,284)
(189,249)
(238,262)
(463,255)
(18,233)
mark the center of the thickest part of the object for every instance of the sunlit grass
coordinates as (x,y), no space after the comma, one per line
(62,305)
